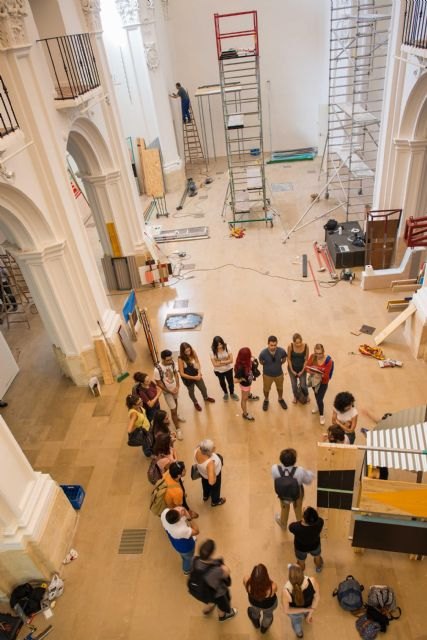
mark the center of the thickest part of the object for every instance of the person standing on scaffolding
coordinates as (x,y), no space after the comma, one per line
(185,102)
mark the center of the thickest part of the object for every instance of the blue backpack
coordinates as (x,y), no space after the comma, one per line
(349,594)
(328,359)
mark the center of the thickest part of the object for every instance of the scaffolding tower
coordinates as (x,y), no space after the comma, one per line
(194,158)
(359,35)
(238,59)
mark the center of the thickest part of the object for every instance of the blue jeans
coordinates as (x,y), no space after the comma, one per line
(187,560)
(296,621)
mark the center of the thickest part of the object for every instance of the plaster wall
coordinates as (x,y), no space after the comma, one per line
(294,59)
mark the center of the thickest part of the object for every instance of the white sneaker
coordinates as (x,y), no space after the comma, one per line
(179,435)
(322,419)
(315,410)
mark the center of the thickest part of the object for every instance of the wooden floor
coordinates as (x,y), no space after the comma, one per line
(246,289)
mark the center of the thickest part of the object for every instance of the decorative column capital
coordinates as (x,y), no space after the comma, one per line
(92,14)
(151,55)
(12,26)
(129,11)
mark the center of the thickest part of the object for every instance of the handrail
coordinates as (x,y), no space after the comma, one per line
(72,64)
(415,24)
(8,120)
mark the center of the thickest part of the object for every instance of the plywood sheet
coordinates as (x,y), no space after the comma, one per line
(336,457)
(114,240)
(153,174)
(104,362)
(393,497)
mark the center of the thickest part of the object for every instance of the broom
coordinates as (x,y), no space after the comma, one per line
(122,374)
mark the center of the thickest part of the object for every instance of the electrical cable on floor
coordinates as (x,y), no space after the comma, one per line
(236,266)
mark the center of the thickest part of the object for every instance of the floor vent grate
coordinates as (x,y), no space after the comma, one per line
(132,541)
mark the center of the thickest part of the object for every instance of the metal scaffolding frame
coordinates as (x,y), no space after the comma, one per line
(359,35)
(242,115)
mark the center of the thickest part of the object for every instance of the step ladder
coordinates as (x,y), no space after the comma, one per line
(194,156)
(14,293)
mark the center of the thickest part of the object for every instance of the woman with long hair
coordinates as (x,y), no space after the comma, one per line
(222,360)
(300,597)
(164,451)
(191,373)
(149,393)
(298,352)
(161,424)
(262,597)
(319,368)
(243,373)
(138,422)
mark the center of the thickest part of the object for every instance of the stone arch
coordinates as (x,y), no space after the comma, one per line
(21,222)
(87,145)
(413,125)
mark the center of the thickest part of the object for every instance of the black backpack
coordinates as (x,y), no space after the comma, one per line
(287,487)
(197,585)
(29,598)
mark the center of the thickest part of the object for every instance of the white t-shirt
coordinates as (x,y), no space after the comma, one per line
(222,355)
(347,416)
(168,379)
(177,530)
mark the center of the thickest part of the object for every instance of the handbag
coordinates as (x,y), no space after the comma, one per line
(153,473)
(195,475)
(300,395)
(255,369)
(137,437)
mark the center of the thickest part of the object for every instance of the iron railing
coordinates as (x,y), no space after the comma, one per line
(415,25)
(72,64)
(8,121)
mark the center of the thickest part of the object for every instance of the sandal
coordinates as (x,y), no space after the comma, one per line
(219,503)
(193,514)
(247,416)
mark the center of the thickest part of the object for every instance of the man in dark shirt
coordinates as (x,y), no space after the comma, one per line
(185,102)
(307,538)
(272,359)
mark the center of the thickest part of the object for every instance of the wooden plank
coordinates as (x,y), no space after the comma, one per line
(153,174)
(140,143)
(393,497)
(104,362)
(395,324)
(408,281)
(333,457)
(406,287)
(114,240)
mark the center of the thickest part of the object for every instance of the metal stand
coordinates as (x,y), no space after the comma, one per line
(242,116)
(160,205)
(359,36)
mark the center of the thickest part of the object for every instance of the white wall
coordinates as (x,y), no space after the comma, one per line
(294,57)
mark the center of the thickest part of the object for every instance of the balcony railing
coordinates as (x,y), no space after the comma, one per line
(8,121)
(72,65)
(415,26)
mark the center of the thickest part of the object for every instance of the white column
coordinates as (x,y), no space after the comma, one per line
(37,522)
(147,63)
(130,225)
(109,203)
(24,493)
(390,117)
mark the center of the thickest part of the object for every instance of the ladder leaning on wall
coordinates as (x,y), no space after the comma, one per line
(16,299)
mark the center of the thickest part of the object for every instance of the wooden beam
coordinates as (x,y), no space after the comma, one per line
(104,362)
(395,324)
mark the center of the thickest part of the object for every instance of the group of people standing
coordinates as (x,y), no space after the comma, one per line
(300,594)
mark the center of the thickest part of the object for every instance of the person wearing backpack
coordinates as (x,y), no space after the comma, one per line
(307,538)
(166,377)
(300,597)
(181,533)
(175,495)
(209,581)
(288,484)
(320,368)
